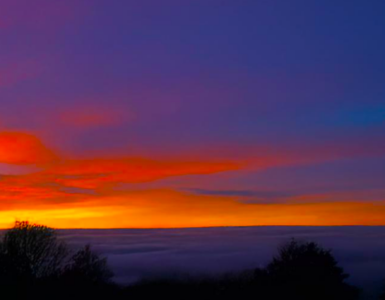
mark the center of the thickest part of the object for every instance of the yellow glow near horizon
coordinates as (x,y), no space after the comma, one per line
(158,209)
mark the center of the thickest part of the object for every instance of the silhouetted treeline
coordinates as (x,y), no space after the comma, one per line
(34,262)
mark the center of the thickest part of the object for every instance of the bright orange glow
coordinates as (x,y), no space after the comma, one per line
(168,209)
(84,193)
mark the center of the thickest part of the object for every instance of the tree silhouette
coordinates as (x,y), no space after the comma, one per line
(32,251)
(34,261)
(307,271)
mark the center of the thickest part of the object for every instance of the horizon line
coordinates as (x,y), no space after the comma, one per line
(198,227)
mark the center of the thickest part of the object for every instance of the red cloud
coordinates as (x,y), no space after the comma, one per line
(59,180)
(23,149)
(99,173)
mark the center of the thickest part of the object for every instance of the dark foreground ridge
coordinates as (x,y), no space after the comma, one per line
(35,262)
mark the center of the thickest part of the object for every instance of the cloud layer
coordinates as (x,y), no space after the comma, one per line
(117,192)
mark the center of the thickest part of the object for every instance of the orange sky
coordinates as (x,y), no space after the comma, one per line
(43,186)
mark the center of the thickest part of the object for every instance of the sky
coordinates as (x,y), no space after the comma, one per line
(193,113)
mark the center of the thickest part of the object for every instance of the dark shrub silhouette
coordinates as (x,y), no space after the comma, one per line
(307,271)
(382,297)
(227,287)
(87,276)
(88,268)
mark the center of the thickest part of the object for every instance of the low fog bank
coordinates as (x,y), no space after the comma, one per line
(134,254)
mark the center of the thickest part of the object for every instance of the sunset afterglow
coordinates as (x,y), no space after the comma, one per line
(196,114)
